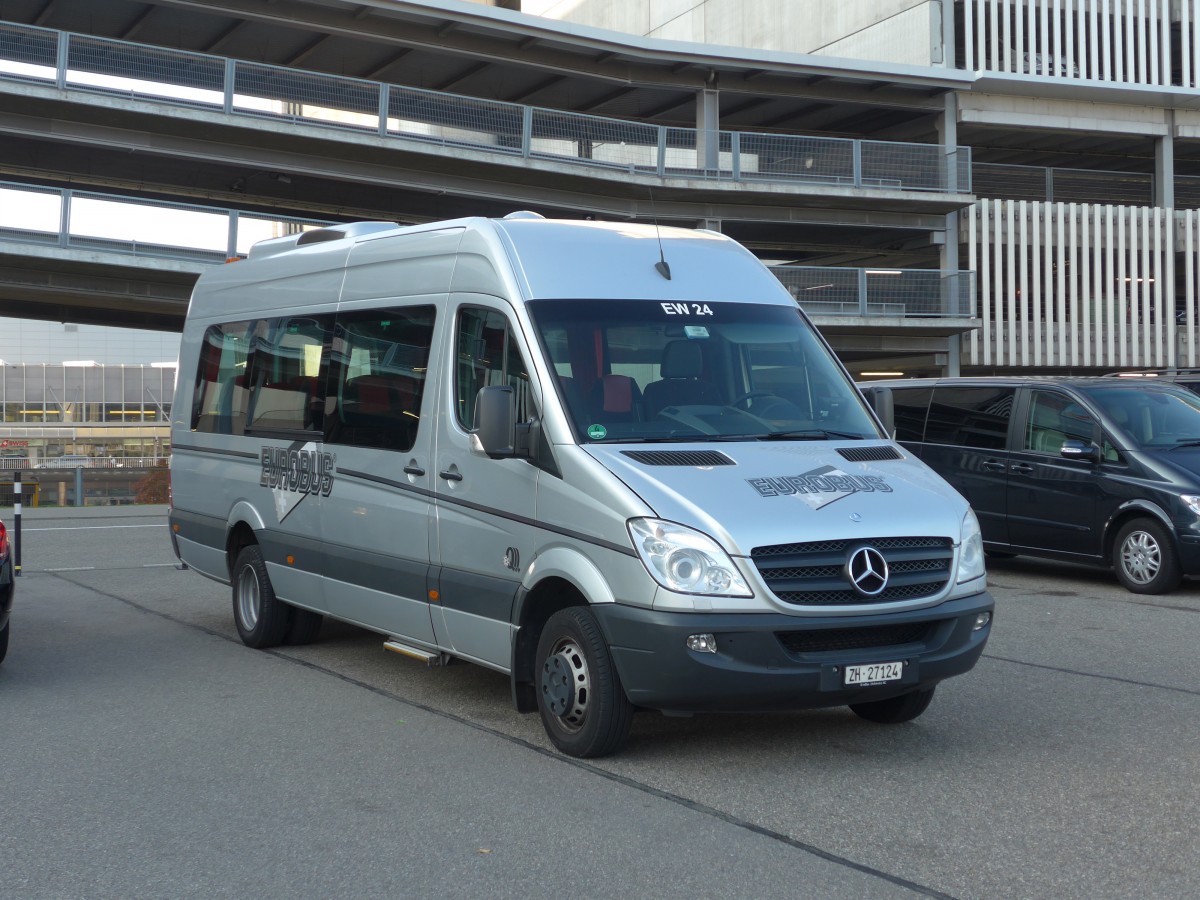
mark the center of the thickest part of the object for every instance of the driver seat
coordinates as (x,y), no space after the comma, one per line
(679,381)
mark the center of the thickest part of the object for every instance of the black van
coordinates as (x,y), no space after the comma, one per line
(1095,470)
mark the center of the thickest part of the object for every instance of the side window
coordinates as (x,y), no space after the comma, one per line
(911,405)
(970,416)
(487,355)
(1054,418)
(219,402)
(378,363)
(287,374)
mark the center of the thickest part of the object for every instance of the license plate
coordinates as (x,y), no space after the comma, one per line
(875,673)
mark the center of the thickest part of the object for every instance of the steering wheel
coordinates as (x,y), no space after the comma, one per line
(747,397)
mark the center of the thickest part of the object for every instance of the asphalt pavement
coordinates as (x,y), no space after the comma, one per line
(147,753)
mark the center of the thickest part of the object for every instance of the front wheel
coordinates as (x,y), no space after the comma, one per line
(1145,559)
(582,703)
(894,710)
(262,619)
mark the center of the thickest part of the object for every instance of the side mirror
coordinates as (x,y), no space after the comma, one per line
(496,421)
(1073,449)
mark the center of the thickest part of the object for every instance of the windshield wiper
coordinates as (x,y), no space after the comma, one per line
(808,435)
(1186,442)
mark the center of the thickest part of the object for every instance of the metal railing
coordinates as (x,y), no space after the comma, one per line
(1045,184)
(416,116)
(900,293)
(87,220)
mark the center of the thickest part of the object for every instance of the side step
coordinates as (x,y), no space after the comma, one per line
(429,657)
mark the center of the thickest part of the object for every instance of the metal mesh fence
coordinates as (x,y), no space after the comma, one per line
(1005,182)
(28,52)
(305,96)
(136,70)
(833,291)
(782,156)
(456,121)
(593,140)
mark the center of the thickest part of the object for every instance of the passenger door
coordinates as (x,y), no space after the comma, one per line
(1053,502)
(485,507)
(376,520)
(966,441)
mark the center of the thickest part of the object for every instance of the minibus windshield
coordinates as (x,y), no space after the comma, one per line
(646,370)
(1152,417)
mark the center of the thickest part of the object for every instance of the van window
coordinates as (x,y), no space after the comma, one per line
(487,355)
(219,402)
(910,405)
(287,370)
(378,364)
(970,416)
(1054,418)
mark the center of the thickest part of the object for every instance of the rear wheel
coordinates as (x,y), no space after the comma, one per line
(1144,558)
(4,639)
(582,703)
(895,709)
(262,619)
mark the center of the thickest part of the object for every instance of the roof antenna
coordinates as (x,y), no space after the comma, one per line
(661,266)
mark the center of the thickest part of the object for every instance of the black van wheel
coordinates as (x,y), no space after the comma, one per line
(304,627)
(4,639)
(895,709)
(1145,559)
(583,706)
(262,619)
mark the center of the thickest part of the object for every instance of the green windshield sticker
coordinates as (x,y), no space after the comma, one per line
(597,432)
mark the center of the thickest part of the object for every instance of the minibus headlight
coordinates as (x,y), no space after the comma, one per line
(686,561)
(970,554)
(1192,502)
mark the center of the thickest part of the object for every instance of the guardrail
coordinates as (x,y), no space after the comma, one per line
(87,220)
(422,117)
(902,293)
(1052,184)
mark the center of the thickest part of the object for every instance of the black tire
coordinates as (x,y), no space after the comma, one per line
(4,639)
(304,628)
(893,710)
(261,618)
(1145,559)
(582,703)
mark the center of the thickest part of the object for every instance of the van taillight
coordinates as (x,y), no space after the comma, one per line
(3,540)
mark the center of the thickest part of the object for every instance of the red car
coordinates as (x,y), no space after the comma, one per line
(6,588)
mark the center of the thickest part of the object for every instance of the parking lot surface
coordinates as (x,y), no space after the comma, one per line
(148,753)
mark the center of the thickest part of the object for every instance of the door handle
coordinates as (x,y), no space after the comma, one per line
(413,469)
(1023,469)
(451,475)
(993,465)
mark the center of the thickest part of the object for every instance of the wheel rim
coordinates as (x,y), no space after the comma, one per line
(249,598)
(566,684)
(1141,557)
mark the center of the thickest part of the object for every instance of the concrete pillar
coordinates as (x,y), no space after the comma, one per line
(708,143)
(948,252)
(1164,166)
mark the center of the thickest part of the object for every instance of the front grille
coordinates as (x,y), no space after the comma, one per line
(855,638)
(814,573)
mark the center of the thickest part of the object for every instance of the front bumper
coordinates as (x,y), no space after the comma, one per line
(776,662)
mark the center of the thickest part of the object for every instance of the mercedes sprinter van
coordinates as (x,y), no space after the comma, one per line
(614,462)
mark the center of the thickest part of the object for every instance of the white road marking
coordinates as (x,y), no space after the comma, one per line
(91,527)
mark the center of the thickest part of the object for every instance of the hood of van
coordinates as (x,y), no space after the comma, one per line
(755,494)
